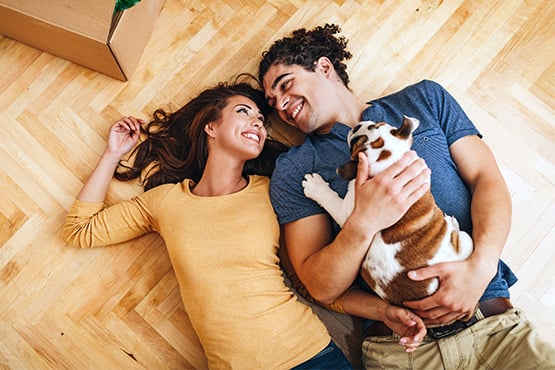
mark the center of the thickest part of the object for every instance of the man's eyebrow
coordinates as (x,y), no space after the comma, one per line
(278,79)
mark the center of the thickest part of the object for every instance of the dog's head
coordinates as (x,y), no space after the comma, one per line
(382,143)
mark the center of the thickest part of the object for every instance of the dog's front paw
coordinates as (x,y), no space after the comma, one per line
(312,185)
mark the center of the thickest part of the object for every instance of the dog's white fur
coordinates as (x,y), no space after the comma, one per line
(382,263)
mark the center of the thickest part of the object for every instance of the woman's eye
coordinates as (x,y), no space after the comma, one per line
(243,110)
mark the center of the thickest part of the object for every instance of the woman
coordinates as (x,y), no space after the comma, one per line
(207,197)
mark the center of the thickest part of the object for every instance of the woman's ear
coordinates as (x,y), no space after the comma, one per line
(209,129)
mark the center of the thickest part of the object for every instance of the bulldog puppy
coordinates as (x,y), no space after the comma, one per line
(423,236)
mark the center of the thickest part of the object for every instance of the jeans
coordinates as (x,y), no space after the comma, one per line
(330,357)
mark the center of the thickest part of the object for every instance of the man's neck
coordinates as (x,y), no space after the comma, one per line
(349,109)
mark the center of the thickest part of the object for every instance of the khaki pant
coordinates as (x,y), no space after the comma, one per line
(506,341)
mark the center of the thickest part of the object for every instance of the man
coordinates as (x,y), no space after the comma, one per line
(305,81)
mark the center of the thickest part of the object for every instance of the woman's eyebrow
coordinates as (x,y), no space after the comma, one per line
(243,105)
(248,106)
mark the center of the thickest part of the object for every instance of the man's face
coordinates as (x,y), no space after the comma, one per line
(300,96)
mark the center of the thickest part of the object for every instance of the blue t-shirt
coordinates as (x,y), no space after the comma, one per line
(442,122)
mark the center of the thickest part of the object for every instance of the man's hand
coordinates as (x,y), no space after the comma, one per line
(391,192)
(461,284)
(410,327)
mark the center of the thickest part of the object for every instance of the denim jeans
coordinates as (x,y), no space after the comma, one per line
(330,357)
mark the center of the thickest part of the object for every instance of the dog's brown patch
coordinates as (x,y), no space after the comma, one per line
(378,143)
(402,289)
(455,241)
(384,154)
(421,227)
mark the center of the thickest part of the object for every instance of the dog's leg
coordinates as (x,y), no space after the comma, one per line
(318,190)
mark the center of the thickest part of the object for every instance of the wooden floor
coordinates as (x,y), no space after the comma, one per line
(115,308)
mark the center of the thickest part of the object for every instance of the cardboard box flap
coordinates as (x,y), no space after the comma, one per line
(128,50)
(91,18)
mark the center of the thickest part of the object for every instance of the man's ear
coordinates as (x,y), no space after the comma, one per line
(325,65)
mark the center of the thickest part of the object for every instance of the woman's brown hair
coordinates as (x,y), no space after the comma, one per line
(175,148)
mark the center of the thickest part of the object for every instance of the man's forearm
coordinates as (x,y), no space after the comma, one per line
(491,218)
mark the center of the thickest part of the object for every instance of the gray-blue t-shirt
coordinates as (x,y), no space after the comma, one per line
(442,122)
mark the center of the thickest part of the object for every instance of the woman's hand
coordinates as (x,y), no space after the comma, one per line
(410,327)
(123,135)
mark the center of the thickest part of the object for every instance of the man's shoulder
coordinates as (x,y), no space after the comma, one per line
(423,87)
(294,160)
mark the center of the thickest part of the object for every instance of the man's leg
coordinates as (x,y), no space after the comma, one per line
(505,341)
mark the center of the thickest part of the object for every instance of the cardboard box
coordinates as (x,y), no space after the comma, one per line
(86,32)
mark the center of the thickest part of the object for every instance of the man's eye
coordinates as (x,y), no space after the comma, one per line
(285,84)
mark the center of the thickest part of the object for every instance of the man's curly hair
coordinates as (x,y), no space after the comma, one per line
(306,47)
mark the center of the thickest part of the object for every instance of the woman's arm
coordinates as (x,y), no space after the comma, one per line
(88,224)
(123,136)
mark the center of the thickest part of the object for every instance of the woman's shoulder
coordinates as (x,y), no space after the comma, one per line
(161,191)
(259,180)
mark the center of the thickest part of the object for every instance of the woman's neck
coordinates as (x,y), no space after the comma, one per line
(220,181)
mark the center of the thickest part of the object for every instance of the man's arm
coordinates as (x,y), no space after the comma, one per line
(410,328)
(326,266)
(463,283)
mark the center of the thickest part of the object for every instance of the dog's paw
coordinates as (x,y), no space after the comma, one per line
(312,184)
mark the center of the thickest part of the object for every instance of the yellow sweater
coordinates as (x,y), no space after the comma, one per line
(224,253)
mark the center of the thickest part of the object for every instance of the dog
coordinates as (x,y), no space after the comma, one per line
(422,237)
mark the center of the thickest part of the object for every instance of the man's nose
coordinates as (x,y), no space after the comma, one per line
(282,102)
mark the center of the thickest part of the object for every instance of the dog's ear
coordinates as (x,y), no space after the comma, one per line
(407,127)
(348,171)
(357,145)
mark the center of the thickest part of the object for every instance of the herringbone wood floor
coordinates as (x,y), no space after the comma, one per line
(119,307)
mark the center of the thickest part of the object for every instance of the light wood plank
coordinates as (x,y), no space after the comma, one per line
(119,307)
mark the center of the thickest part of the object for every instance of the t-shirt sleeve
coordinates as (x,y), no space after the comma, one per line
(451,117)
(286,190)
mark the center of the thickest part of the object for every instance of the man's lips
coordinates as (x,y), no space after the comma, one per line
(296,111)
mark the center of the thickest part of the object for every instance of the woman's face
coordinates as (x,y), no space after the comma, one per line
(240,131)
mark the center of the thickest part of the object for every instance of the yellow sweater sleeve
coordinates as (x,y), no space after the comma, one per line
(92,224)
